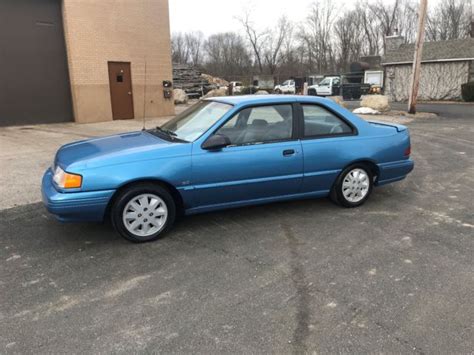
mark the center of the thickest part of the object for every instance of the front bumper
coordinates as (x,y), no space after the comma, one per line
(74,206)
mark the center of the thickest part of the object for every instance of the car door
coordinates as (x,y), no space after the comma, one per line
(324,138)
(292,87)
(264,160)
(335,86)
(324,88)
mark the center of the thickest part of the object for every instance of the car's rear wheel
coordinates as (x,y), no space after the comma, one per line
(353,186)
(143,212)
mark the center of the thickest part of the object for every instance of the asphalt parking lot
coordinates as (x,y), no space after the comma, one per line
(394,276)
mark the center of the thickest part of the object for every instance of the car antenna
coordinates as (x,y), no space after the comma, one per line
(144,102)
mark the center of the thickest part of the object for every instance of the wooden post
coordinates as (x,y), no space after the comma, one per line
(420,36)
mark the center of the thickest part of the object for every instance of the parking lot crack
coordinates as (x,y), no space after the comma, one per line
(220,251)
(301,331)
(399,339)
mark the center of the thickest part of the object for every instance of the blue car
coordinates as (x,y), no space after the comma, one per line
(221,153)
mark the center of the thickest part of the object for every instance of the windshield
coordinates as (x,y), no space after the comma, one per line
(192,123)
(326,81)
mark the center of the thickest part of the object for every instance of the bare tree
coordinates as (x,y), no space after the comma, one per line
(386,14)
(292,62)
(328,40)
(255,38)
(274,42)
(194,42)
(317,35)
(187,48)
(371,33)
(348,32)
(179,50)
(451,19)
(227,55)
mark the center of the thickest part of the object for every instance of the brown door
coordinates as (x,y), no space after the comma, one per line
(120,78)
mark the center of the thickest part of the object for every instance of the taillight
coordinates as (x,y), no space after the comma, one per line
(407,151)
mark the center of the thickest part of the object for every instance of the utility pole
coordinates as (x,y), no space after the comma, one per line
(420,36)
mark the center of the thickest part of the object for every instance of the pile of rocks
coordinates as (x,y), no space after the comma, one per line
(216,93)
(215,80)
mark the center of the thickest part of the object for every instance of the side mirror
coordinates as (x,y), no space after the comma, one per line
(216,142)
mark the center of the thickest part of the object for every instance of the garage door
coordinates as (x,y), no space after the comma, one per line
(34,81)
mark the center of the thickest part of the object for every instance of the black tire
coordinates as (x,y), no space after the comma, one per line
(125,196)
(337,194)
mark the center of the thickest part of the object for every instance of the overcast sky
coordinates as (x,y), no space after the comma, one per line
(212,16)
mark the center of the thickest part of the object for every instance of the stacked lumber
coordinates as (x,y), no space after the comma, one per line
(189,79)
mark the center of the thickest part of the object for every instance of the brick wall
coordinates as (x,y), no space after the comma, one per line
(97,32)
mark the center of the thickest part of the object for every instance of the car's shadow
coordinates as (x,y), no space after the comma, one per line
(34,225)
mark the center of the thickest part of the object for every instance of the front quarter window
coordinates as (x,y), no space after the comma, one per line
(196,120)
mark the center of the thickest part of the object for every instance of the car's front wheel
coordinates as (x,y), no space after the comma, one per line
(143,212)
(353,186)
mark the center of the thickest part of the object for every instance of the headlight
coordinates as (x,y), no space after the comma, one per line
(66,180)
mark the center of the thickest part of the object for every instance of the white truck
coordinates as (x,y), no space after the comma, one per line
(329,86)
(288,87)
(236,87)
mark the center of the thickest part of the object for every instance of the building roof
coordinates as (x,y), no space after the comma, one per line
(439,51)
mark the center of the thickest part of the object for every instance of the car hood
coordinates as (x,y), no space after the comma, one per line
(112,150)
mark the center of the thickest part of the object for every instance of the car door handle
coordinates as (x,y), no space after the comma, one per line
(288,152)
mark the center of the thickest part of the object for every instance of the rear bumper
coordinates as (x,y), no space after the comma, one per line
(394,171)
(74,206)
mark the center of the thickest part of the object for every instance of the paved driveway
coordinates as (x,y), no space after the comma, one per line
(394,276)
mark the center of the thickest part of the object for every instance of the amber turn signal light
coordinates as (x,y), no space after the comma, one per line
(72,181)
(67,180)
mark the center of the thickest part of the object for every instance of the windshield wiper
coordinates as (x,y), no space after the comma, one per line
(169,133)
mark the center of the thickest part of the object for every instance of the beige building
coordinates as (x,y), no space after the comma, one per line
(86,60)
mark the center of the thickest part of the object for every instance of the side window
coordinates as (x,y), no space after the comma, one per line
(260,124)
(320,122)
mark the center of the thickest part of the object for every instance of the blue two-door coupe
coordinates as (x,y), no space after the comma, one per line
(221,153)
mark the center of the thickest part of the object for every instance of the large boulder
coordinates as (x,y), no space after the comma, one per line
(376,102)
(338,100)
(261,92)
(216,93)
(180,97)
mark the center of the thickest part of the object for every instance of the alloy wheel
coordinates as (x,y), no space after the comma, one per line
(145,215)
(355,185)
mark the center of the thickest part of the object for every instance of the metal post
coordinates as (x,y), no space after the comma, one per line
(420,36)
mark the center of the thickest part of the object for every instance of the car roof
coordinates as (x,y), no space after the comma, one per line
(262,99)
